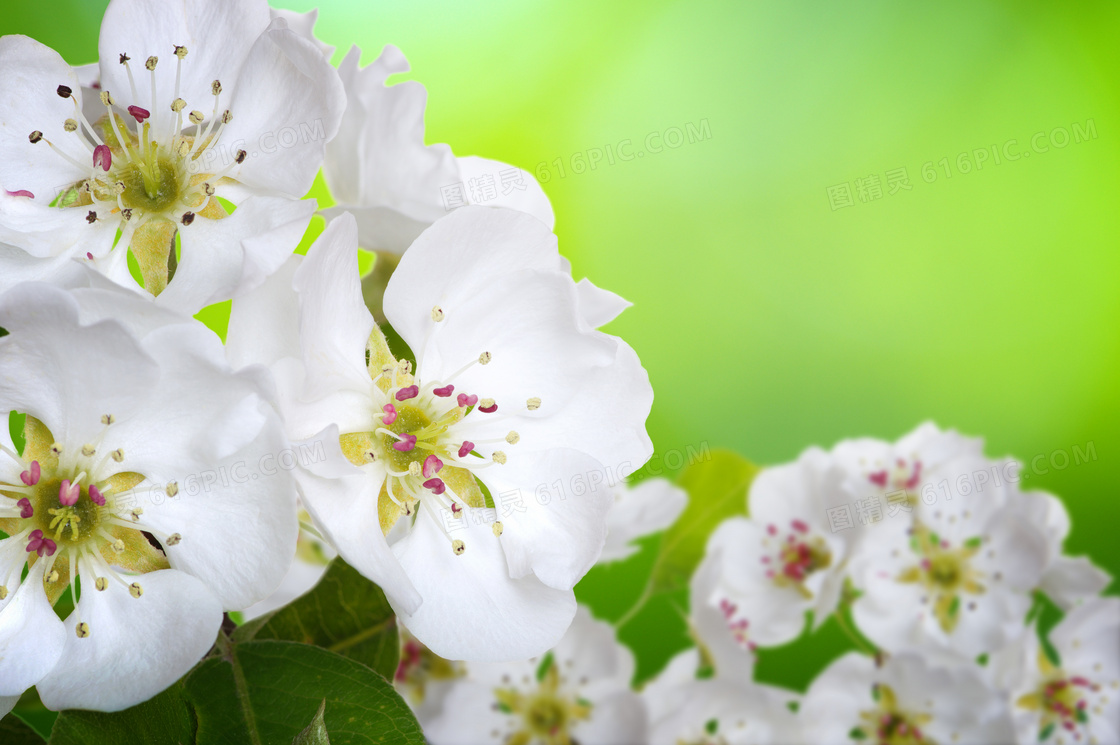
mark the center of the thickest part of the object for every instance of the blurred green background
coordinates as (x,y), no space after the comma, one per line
(772,312)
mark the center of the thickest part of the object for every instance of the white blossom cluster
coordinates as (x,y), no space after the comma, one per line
(148,473)
(936,594)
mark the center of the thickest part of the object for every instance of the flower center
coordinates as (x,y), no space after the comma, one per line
(887,724)
(141,176)
(71,506)
(420,440)
(946,572)
(1062,700)
(545,714)
(792,557)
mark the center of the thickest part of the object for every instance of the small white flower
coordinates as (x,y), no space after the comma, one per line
(638,511)
(783,560)
(139,475)
(476,483)
(423,678)
(907,700)
(196,102)
(380,170)
(577,692)
(1078,699)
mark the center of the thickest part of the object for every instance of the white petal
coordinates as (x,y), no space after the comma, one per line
(649,507)
(16,266)
(304,25)
(44,231)
(31,635)
(238,522)
(302,576)
(514,188)
(7,703)
(342,499)
(28,103)
(222,258)
(47,346)
(136,647)
(598,306)
(558,536)
(217,36)
(590,649)
(473,609)
(1070,579)
(286,107)
(264,322)
(334,322)
(618,719)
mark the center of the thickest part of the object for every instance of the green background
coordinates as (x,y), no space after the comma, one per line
(769,321)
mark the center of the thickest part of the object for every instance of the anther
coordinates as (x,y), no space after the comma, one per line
(188,218)
(103,157)
(216,87)
(408,392)
(96,496)
(390,414)
(180,51)
(82,629)
(107,419)
(196,117)
(3,592)
(513,438)
(498,528)
(444,392)
(406,444)
(436,485)
(136,513)
(35,136)
(466,448)
(227,116)
(466,401)
(499,457)
(405,367)
(91,217)
(118,546)
(484,358)
(171,489)
(25,508)
(56,449)
(118,454)
(68,493)
(151,63)
(487,406)
(123,58)
(135,590)
(458,547)
(30,477)
(64,91)
(432,464)
(178,105)
(240,156)
(533,403)
(437,314)
(70,125)
(414,469)
(88,451)
(173,539)
(101,583)
(139,114)
(53,576)
(107,98)
(208,189)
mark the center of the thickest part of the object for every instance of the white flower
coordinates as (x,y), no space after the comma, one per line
(199,101)
(905,701)
(577,692)
(475,484)
(1067,580)
(638,511)
(137,434)
(1077,699)
(313,558)
(783,560)
(423,678)
(379,169)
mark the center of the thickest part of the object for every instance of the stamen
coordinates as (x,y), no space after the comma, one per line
(82,629)
(432,464)
(411,391)
(70,125)
(96,495)
(135,590)
(188,218)
(498,528)
(390,414)
(139,114)
(101,583)
(25,508)
(64,91)
(458,547)
(484,358)
(436,485)
(68,493)
(513,438)
(487,406)
(32,475)
(408,442)
(437,314)
(466,448)
(466,401)
(533,403)
(499,457)
(444,392)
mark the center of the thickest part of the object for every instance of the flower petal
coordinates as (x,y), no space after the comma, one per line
(31,635)
(264,322)
(646,508)
(473,609)
(136,647)
(514,188)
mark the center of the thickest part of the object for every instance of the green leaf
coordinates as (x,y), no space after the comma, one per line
(316,732)
(345,613)
(163,720)
(14,732)
(265,692)
(717,489)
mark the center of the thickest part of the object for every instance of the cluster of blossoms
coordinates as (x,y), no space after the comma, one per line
(171,176)
(937,598)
